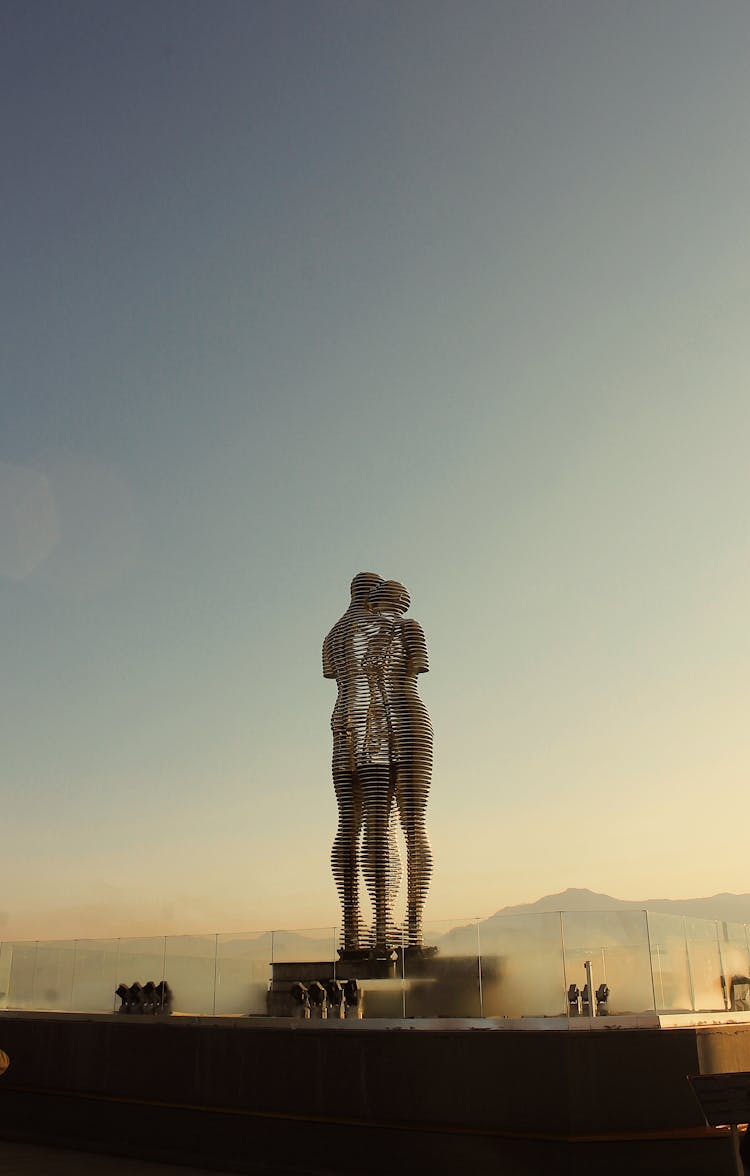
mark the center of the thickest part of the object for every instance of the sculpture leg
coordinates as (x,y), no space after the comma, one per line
(395,872)
(377,799)
(344,855)
(411,796)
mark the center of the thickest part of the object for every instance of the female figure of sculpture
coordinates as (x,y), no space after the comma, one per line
(399,728)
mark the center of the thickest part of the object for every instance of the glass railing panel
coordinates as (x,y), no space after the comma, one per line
(141,960)
(705,964)
(522,966)
(190,971)
(736,966)
(54,968)
(6,958)
(21,982)
(243,972)
(306,954)
(442,979)
(616,944)
(95,976)
(669,963)
(309,945)
(505,966)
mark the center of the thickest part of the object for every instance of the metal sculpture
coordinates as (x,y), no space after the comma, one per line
(382,761)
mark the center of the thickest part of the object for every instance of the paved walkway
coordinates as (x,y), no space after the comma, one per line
(28,1159)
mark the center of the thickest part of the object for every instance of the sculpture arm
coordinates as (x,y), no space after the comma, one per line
(328,670)
(416,647)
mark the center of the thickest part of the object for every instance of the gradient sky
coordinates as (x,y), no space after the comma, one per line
(456,292)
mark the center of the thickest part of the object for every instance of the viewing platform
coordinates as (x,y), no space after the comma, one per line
(485,1053)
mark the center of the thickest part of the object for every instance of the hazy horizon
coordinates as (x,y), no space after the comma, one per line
(455,293)
(435,929)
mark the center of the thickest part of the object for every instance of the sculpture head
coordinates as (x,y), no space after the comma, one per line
(362,585)
(390,596)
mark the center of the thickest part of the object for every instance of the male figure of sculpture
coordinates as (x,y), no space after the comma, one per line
(359,784)
(399,728)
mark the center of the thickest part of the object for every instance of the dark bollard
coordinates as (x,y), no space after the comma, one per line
(354,1000)
(162,999)
(602,1000)
(318,1006)
(574,999)
(148,990)
(301,999)
(135,998)
(123,992)
(335,999)
(154,999)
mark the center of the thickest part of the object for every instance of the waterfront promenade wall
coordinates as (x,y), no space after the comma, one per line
(258,1095)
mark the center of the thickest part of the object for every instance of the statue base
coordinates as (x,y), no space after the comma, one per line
(354,964)
(379,963)
(412,959)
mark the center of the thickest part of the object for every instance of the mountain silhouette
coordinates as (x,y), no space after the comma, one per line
(732,908)
(729,908)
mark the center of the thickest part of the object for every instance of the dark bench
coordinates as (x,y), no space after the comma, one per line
(724,1100)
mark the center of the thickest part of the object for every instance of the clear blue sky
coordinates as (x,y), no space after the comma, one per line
(457,292)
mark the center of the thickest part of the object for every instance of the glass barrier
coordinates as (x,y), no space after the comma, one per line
(243,972)
(735,966)
(507,966)
(95,976)
(312,945)
(141,960)
(705,964)
(6,958)
(670,965)
(522,966)
(190,971)
(617,946)
(445,982)
(21,980)
(54,966)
